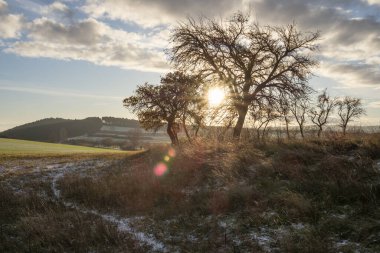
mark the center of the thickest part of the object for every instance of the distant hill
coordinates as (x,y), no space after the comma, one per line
(53,129)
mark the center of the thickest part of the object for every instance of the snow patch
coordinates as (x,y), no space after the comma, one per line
(123,224)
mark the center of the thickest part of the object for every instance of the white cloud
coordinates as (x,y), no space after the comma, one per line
(375,105)
(152,13)
(352,75)
(57,10)
(373,1)
(347,35)
(92,41)
(10,24)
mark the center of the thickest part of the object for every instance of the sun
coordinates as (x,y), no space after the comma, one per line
(215,96)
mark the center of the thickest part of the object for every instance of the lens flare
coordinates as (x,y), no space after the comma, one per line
(171,152)
(160,169)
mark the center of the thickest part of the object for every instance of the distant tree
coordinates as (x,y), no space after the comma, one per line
(167,103)
(320,113)
(135,138)
(348,109)
(247,58)
(299,107)
(108,142)
(262,114)
(283,107)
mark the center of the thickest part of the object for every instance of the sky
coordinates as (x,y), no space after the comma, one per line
(80,58)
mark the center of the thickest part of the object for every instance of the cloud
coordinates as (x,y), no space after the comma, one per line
(57,93)
(150,13)
(349,34)
(375,105)
(353,75)
(373,1)
(93,41)
(10,24)
(57,11)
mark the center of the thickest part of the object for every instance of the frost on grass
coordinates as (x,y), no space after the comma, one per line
(123,224)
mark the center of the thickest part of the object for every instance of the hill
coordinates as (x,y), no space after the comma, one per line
(53,129)
(105,131)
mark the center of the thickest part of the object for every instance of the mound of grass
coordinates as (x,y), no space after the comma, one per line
(243,196)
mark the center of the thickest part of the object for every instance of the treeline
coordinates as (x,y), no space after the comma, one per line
(53,130)
(124,122)
(40,122)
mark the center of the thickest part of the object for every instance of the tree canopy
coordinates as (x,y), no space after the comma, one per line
(253,61)
(348,109)
(167,103)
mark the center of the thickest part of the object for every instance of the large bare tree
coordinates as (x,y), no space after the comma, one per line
(168,103)
(348,109)
(247,58)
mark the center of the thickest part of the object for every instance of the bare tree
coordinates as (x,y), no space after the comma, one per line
(320,113)
(348,109)
(168,103)
(283,107)
(262,114)
(247,58)
(299,107)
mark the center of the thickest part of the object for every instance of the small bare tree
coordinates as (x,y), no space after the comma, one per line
(284,109)
(348,109)
(262,115)
(299,108)
(320,113)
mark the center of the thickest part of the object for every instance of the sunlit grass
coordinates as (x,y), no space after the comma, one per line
(13,147)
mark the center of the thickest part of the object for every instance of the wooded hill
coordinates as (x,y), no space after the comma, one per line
(58,129)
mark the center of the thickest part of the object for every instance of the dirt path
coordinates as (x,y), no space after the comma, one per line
(123,224)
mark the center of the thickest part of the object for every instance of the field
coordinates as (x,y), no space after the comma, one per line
(316,195)
(13,147)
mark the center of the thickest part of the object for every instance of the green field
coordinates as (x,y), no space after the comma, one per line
(13,147)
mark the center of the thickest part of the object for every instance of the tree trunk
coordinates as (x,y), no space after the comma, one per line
(242,111)
(196,131)
(344,130)
(185,129)
(172,134)
(301,131)
(287,128)
(264,131)
(319,132)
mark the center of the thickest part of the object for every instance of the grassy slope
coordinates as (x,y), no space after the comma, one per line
(12,147)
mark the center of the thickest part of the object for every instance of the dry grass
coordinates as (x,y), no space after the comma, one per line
(219,197)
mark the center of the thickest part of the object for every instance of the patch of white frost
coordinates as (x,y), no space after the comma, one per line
(263,240)
(123,224)
(298,226)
